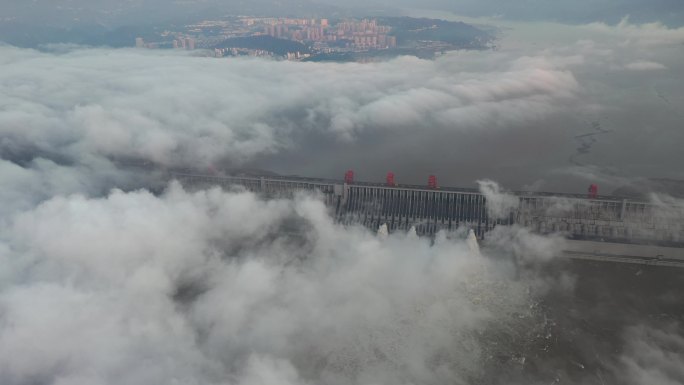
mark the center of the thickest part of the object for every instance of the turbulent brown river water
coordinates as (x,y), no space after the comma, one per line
(620,323)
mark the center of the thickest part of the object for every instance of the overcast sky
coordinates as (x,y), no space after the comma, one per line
(131,12)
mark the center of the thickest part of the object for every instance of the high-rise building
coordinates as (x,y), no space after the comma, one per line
(190,43)
(139,42)
(382,40)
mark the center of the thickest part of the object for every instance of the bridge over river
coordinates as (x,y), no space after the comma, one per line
(603,220)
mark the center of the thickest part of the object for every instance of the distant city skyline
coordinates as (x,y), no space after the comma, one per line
(243,35)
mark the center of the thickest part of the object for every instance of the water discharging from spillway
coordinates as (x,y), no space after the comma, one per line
(471,241)
(383,231)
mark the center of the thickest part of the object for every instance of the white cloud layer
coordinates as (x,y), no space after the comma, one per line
(200,288)
(164,107)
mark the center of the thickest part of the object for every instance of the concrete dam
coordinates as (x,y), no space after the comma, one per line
(597,220)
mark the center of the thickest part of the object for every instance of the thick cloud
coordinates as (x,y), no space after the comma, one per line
(216,287)
(164,107)
(88,107)
(205,288)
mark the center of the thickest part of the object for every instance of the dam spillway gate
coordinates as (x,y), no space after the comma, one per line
(432,210)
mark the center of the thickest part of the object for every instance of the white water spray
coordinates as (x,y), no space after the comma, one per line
(383,231)
(471,241)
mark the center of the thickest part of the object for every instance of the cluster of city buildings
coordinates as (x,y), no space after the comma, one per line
(184,43)
(180,42)
(296,29)
(363,34)
(318,35)
(226,52)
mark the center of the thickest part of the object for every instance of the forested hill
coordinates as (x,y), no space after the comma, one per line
(408,29)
